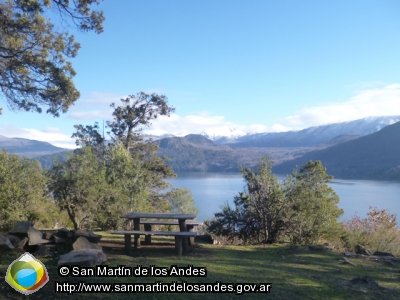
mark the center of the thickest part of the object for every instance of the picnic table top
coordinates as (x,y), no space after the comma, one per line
(195,223)
(134,215)
(141,232)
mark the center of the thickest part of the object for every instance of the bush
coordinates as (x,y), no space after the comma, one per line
(22,189)
(302,209)
(377,232)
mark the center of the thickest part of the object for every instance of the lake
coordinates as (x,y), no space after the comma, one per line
(211,190)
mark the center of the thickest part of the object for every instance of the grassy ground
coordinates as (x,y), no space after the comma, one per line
(293,273)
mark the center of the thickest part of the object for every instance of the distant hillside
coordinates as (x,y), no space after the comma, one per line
(338,140)
(28,148)
(197,153)
(47,161)
(375,156)
(312,136)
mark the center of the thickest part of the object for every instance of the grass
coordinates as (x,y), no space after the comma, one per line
(293,273)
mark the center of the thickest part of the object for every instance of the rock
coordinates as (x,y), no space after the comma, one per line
(345,260)
(48,235)
(22,243)
(44,250)
(83,243)
(35,237)
(63,233)
(59,240)
(83,257)
(13,239)
(379,253)
(90,235)
(5,242)
(365,281)
(360,249)
(21,228)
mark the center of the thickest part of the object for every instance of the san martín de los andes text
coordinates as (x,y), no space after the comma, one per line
(138,271)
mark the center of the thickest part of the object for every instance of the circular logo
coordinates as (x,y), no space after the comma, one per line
(27,274)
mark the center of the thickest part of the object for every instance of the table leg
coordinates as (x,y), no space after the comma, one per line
(128,243)
(178,244)
(136,226)
(185,242)
(190,229)
(147,238)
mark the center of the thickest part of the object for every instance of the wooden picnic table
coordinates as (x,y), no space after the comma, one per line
(136,217)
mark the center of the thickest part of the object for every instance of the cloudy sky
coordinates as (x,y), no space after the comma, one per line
(233,66)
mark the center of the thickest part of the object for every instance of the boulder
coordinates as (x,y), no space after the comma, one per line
(90,235)
(379,253)
(22,243)
(83,243)
(35,237)
(83,257)
(48,235)
(360,249)
(21,228)
(44,250)
(365,281)
(5,242)
(13,239)
(64,233)
(59,240)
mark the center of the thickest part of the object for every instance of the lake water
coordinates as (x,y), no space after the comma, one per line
(211,190)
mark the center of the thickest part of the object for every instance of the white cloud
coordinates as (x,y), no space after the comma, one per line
(383,101)
(91,115)
(95,106)
(207,123)
(377,101)
(51,135)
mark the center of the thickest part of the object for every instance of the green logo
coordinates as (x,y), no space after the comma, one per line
(27,274)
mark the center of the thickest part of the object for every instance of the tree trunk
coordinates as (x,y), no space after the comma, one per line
(71,215)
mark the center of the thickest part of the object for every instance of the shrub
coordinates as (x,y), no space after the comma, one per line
(377,232)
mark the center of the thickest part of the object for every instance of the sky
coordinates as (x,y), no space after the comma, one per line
(232,66)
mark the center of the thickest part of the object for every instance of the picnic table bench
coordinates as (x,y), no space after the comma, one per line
(181,237)
(189,226)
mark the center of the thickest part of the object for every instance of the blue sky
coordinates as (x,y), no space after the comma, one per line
(233,67)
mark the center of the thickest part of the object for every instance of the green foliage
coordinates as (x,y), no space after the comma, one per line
(136,111)
(133,169)
(34,70)
(302,209)
(124,173)
(79,186)
(90,136)
(22,189)
(313,204)
(181,201)
(259,211)
(377,232)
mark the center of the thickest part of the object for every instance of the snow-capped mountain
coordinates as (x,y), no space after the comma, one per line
(315,135)
(227,135)
(308,137)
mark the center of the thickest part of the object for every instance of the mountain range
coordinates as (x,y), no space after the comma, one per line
(312,136)
(374,156)
(354,149)
(28,148)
